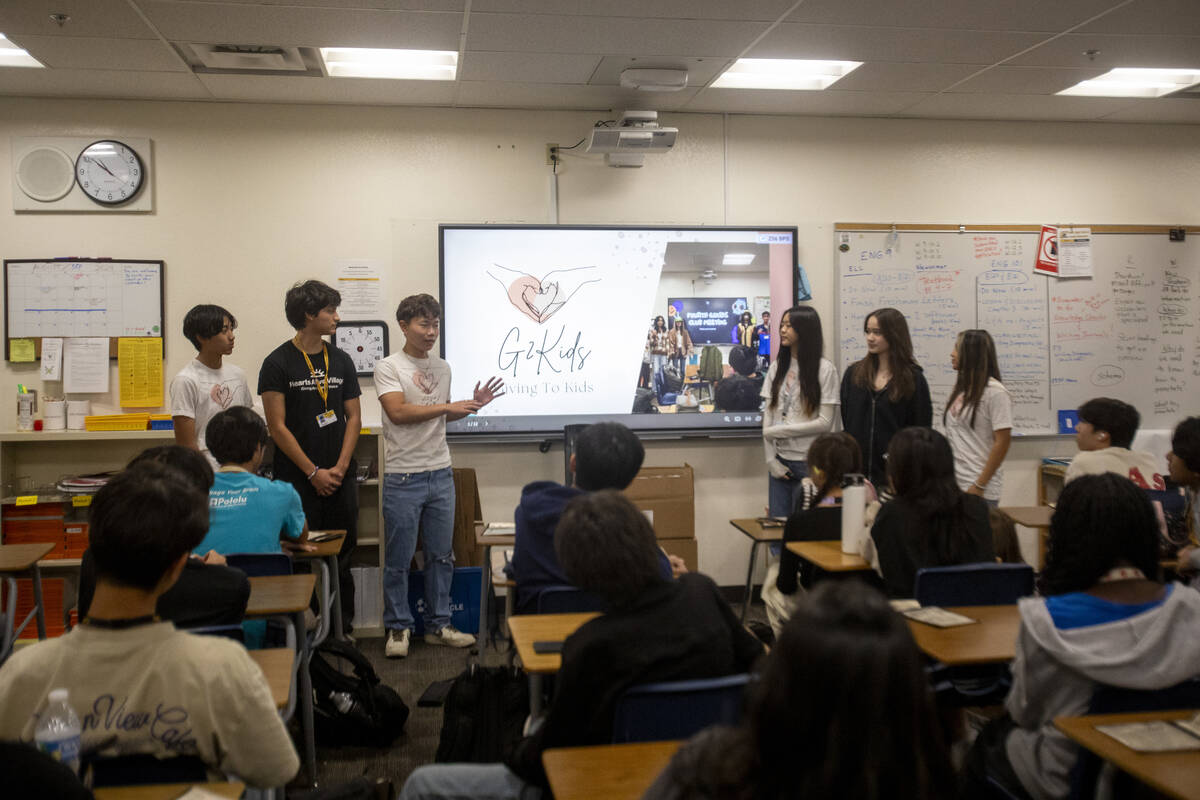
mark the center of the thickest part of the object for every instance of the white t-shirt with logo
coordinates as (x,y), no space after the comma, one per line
(972,444)
(202,392)
(789,410)
(421,446)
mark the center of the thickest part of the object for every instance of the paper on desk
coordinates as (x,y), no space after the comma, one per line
(85,365)
(938,617)
(500,529)
(52,354)
(1151,737)
(139,365)
(20,350)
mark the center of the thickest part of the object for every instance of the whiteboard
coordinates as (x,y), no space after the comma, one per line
(1129,332)
(83,298)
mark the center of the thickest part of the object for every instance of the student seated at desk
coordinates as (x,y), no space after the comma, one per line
(1183,463)
(141,687)
(930,522)
(842,709)
(1104,618)
(656,630)
(247,513)
(207,592)
(1104,433)
(607,456)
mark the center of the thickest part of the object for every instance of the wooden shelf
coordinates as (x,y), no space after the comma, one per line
(81,436)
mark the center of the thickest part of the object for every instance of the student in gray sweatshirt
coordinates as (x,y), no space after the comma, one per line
(1104,618)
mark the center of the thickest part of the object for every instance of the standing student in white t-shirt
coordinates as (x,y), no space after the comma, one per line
(207,385)
(978,417)
(418,487)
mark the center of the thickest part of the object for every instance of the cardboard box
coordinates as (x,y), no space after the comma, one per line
(685,549)
(667,496)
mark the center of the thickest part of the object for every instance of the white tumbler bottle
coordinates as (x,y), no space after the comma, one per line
(854,501)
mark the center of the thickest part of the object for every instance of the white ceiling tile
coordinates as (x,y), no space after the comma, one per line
(1005,15)
(1026,80)
(528,67)
(857,43)
(904,77)
(700,70)
(1115,51)
(102,83)
(742,101)
(543,95)
(1166,17)
(1014,106)
(99,18)
(610,36)
(752,10)
(1163,109)
(363,91)
(74,52)
(225,23)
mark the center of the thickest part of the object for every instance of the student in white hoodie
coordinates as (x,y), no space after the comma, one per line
(1104,619)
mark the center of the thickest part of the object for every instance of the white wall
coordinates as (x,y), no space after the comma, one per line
(250,198)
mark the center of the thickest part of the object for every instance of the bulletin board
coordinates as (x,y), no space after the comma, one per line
(82,297)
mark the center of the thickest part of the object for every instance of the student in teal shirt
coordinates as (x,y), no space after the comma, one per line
(248,513)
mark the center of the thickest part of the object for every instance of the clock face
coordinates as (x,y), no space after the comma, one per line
(365,343)
(109,172)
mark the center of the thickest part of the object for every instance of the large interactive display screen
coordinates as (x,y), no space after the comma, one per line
(566,316)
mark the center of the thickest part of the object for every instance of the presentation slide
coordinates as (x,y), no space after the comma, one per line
(581,322)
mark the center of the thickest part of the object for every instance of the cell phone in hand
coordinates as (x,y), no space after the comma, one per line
(324,537)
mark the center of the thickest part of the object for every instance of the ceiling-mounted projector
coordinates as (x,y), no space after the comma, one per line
(635,132)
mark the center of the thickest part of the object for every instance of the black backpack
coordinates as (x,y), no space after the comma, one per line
(352,709)
(484,715)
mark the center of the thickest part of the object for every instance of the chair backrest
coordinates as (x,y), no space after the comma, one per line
(985,584)
(817,524)
(655,712)
(258,565)
(567,600)
(235,632)
(141,769)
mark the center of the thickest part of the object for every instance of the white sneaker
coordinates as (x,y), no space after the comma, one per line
(450,637)
(397,643)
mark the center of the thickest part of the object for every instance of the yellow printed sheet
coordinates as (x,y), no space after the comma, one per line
(139,364)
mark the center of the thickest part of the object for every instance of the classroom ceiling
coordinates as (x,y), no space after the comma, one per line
(945,59)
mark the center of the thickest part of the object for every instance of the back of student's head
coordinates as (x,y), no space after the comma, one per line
(234,435)
(1185,443)
(1100,521)
(920,466)
(308,299)
(1114,417)
(607,456)
(737,393)
(743,359)
(843,708)
(834,456)
(418,305)
(205,321)
(143,520)
(1004,537)
(607,547)
(187,461)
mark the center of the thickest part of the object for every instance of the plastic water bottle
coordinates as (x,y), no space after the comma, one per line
(58,731)
(854,501)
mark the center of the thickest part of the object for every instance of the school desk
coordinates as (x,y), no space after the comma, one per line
(529,628)
(167,791)
(16,560)
(990,640)
(487,541)
(328,552)
(1037,517)
(1174,774)
(606,771)
(289,596)
(278,666)
(828,555)
(758,536)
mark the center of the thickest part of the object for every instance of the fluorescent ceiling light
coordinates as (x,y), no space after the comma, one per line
(784,73)
(737,259)
(418,65)
(1136,82)
(13,56)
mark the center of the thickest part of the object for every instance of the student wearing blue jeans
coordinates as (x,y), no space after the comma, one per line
(418,488)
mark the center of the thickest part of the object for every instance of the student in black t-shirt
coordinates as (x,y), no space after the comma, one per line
(310,394)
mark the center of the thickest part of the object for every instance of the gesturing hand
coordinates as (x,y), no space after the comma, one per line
(490,391)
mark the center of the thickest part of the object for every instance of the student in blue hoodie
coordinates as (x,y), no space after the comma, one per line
(607,456)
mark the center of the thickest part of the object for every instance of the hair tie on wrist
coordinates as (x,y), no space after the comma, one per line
(314,472)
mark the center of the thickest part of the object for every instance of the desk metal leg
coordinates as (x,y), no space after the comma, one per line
(335,589)
(749,578)
(10,612)
(535,694)
(37,601)
(485,581)
(306,700)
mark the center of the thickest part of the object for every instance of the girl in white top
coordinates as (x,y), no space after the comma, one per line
(801,390)
(978,417)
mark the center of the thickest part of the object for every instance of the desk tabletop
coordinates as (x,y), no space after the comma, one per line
(493,539)
(607,771)
(1029,516)
(280,594)
(323,549)
(276,664)
(529,628)
(166,791)
(20,557)
(828,556)
(754,529)
(1174,774)
(991,640)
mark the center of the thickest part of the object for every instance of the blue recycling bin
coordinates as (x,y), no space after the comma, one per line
(464,599)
